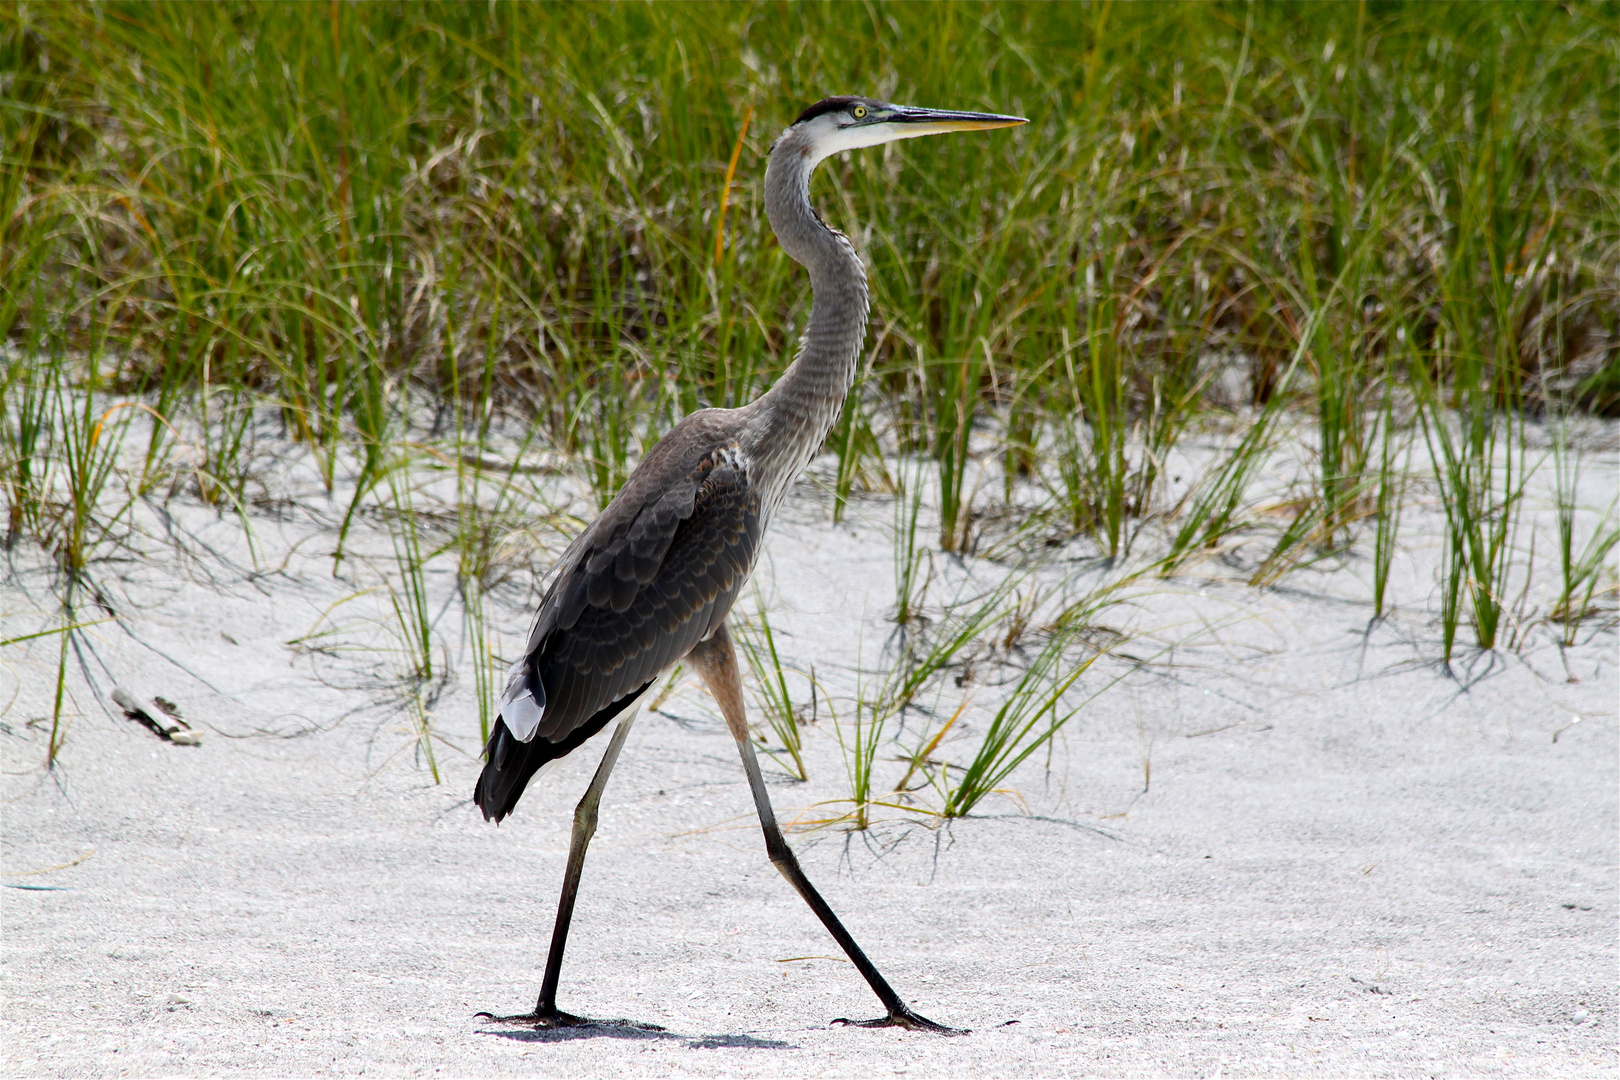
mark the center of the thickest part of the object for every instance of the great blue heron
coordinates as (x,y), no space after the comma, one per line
(651,580)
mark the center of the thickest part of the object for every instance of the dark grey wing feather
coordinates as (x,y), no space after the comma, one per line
(651,593)
(650,578)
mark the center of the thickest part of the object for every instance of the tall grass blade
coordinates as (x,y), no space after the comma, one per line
(758,644)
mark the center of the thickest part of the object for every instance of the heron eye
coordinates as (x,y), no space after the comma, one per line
(858,112)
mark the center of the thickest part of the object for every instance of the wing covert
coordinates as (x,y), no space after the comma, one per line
(653,576)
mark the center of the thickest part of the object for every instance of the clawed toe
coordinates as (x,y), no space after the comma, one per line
(903,1018)
(543,1021)
(556,1019)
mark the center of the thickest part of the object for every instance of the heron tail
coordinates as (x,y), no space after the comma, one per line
(509,764)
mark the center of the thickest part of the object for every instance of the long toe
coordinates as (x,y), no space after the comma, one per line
(556,1019)
(521,1018)
(551,1019)
(907,1019)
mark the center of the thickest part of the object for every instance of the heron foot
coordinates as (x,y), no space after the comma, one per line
(553,1019)
(903,1017)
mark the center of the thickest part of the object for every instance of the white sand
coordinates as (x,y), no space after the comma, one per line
(1346,860)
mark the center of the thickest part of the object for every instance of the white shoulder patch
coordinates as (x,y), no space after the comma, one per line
(521,707)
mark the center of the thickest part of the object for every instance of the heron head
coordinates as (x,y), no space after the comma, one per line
(836,124)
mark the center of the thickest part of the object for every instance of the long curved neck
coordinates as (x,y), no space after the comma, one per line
(795,415)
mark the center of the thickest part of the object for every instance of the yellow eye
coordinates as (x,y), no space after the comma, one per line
(858,112)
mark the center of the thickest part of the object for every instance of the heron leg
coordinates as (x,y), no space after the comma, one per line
(716,662)
(546,1014)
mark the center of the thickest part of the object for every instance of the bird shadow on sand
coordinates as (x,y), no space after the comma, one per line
(629,1029)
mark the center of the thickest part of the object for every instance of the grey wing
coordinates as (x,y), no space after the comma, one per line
(638,596)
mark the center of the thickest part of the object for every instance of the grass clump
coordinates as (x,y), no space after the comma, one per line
(520,204)
(1220,220)
(757,642)
(1580,567)
(1028,718)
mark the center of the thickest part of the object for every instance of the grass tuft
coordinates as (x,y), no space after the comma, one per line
(1218,220)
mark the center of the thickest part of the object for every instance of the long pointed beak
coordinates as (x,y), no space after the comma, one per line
(932,121)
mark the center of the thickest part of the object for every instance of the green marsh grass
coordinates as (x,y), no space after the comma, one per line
(1389,501)
(298,205)
(911,578)
(1097,491)
(53,745)
(860,749)
(409,596)
(951,638)
(923,651)
(757,642)
(413,621)
(25,409)
(514,211)
(1480,463)
(1580,567)
(1028,718)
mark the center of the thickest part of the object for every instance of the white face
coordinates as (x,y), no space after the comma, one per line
(855,128)
(833,133)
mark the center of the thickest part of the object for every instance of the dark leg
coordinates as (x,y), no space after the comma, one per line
(716,661)
(546,1014)
(545,1010)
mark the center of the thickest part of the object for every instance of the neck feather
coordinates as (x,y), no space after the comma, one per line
(795,415)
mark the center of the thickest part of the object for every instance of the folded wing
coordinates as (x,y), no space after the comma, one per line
(650,578)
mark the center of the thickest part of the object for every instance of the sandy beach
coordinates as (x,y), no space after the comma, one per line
(1281,839)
